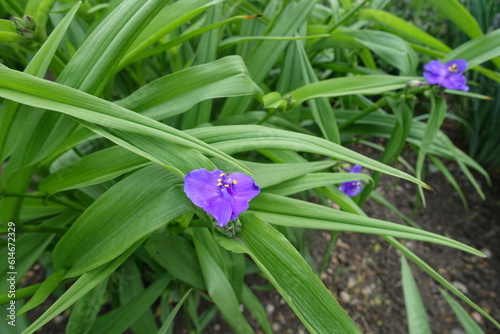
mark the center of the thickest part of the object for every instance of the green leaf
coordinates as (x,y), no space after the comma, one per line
(169,18)
(254,306)
(291,212)
(315,180)
(173,313)
(177,92)
(402,28)
(438,112)
(178,256)
(434,274)
(468,324)
(45,94)
(297,284)
(265,54)
(118,320)
(9,133)
(218,286)
(389,47)
(269,174)
(478,50)
(321,108)
(418,323)
(128,211)
(86,309)
(43,292)
(92,169)
(29,247)
(458,14)
(84,284)
(365,85)
(240,138)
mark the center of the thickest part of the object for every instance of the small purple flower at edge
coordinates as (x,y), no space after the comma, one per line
(448,75)
(352,188)
(224,196)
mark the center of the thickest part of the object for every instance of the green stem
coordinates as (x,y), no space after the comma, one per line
(268,116)
(21,293)
(380,103)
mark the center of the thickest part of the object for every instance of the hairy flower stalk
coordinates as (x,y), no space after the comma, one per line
(224,196)
(352,188)
(448,75)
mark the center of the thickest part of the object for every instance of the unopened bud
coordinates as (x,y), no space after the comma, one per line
(414,84)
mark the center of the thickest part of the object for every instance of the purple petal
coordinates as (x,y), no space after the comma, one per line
(355,169)
(434,72)
(245,189)
(220,208)
(461,65)
(200,186)
(456,81)
(351,188)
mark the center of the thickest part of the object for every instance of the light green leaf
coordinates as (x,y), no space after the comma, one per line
(92,169)
(297,284)
(128,211)
(366,85)
(45,94)
(418,323)
(468,324)
(175,93)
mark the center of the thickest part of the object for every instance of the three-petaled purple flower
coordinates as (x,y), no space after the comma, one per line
(352,188)
(448,75)
(222,195)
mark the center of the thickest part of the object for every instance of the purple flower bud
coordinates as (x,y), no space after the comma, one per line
(224,196)
(448,75)
(352,188)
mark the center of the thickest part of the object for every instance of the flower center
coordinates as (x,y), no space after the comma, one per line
(356,184)
(453,68)
(225,183)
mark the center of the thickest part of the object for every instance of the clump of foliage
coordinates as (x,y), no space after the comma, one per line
(108,105)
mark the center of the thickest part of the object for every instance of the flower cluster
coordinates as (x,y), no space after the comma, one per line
(448,75)
(352,188)
(224,196)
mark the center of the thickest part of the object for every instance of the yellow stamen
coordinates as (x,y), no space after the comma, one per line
(219,184)
(235,182)
(221,174)
(226,185)
(453,68)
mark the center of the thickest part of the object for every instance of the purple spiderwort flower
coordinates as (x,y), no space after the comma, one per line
(448,75)
(352,188)
(222,195)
